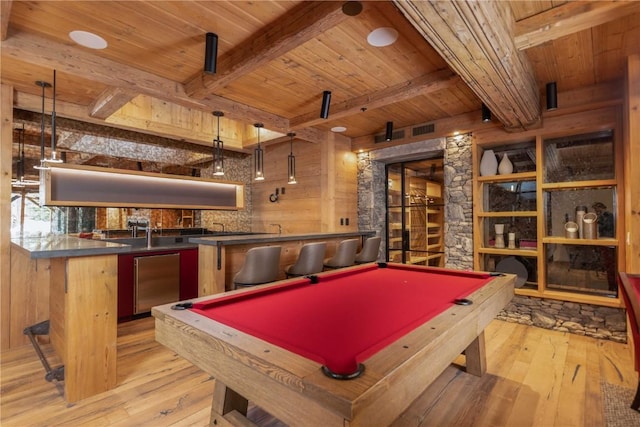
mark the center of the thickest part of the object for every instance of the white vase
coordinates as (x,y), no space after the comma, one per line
(488,163)
(505,167)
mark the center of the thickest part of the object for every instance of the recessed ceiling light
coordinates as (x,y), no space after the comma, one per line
(383,36)
(338,129)
(87,39)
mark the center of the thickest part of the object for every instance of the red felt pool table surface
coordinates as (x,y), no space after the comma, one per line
(268,344)
(346,316)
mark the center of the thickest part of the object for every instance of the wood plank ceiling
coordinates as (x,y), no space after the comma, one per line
(275,58)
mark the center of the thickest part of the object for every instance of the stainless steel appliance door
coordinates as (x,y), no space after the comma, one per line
(157,281)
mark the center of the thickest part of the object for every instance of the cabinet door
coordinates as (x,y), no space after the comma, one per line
(580,214)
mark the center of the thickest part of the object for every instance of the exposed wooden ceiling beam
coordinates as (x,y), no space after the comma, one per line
(110,101)
(35,50)
(583,99)
(301,24)
(474,37)
(569,18)
(422,85)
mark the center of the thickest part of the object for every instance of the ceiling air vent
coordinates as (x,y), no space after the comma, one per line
(398,134)
(421,130)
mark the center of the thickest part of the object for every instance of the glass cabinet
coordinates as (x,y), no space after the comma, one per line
(580,204)
(551,218)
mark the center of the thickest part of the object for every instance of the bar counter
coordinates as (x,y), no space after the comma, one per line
(221,257)
(57,246)
(80,279)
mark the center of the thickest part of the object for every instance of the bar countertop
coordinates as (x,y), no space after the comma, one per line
(60,246)
(268,237)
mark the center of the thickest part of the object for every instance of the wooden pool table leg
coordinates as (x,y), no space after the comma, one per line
(228,407)
(476,358)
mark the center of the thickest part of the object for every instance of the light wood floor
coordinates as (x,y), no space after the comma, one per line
(535,378)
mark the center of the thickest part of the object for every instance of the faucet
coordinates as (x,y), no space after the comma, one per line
(133,226)
(279,227)
(220,224)
(149,236)
(142,224)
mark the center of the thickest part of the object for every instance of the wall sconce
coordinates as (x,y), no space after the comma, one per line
(326,100)
(291,170)
(211,53)
(552,96)
(486,113)
(388,135)
(43,164)
(218,149)
(273,197)
(258,158)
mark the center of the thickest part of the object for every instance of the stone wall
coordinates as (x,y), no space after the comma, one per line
(580,319)
(458,203)
(237,167)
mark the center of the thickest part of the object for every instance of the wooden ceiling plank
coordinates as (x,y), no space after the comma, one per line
(475,40)
(110,101)
(35,50)
(426,84)
(568,18)
(302,24)
(5,14)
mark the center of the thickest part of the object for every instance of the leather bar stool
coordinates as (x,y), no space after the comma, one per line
(310,260)
(369,252)
(261,265)
(345,255)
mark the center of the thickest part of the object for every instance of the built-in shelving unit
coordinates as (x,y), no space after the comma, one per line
(555,181)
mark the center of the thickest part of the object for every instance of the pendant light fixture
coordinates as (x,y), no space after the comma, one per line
(43,164)
(258,158)
(54,155)
(218,149)
(292,162)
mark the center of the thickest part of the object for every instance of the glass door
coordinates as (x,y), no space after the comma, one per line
(415,212)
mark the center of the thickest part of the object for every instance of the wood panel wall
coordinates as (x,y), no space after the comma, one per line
(326,190)
(6,140)
(631,155)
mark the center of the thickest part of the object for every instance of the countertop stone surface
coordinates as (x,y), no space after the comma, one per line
(59,246)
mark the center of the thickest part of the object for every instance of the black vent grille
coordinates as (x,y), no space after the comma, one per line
(421,130)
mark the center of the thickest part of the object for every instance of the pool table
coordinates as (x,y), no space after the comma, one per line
(353,346)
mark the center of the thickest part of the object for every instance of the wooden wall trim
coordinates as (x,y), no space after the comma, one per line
(632,174)
(6,143)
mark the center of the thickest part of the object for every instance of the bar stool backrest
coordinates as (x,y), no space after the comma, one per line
(369,252)
(345,255)
(310,260)
(261,265)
